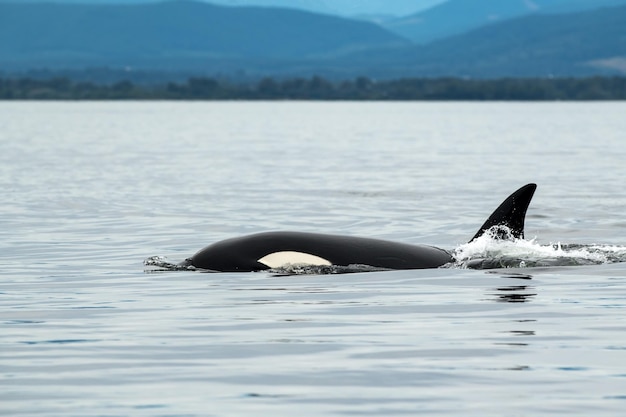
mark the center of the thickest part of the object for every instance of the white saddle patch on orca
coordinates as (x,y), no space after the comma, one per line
(278,259)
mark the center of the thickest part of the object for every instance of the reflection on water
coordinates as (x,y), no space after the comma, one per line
(519,368)
(522,332)
(511,274)
(514,294)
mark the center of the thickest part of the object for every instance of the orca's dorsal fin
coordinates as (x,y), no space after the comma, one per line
(511,213)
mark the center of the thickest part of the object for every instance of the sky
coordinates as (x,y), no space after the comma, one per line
(347,7)
(341,7)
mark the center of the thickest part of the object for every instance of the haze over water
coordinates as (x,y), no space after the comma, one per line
(93,189)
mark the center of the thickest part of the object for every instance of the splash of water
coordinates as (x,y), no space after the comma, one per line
(303,269)
(497,248)
(161,263)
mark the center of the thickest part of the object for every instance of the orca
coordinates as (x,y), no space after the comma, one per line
(271,250)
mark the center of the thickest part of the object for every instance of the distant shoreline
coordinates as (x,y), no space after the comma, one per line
(321,89)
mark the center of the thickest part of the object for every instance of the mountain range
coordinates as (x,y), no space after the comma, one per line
(469,38)
(181,33)
(540,45)
(454,17)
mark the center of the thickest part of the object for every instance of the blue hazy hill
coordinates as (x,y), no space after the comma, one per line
(539,45)
(174,34)
(458,16)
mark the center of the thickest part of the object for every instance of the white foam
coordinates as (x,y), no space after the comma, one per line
(530,252)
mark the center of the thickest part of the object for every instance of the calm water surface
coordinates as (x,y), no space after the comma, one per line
(90,190)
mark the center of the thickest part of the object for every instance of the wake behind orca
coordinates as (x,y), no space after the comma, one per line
(271,250)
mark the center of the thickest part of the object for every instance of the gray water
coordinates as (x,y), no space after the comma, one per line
(91,190)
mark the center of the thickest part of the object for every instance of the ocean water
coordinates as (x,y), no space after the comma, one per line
(91,190)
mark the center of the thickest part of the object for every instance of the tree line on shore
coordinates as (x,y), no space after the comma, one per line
(318,88)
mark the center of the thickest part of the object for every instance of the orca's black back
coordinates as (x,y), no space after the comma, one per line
(243,253)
